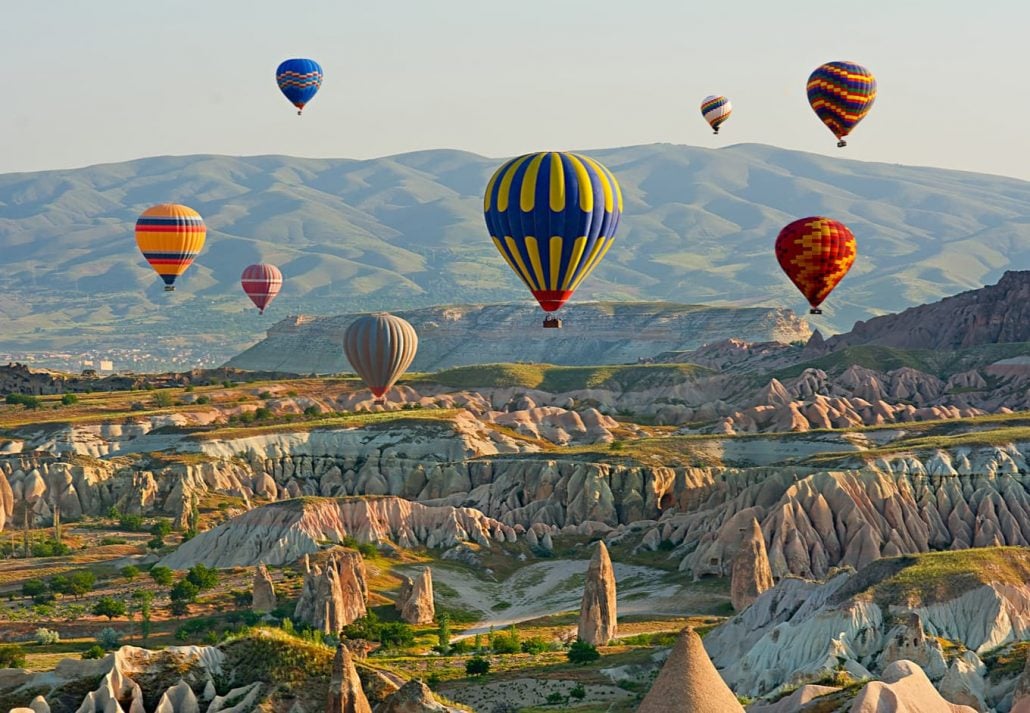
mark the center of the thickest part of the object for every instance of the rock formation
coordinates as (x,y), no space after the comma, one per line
(795,701)
(334,596)
(414,697)
(751,574)
(689,682)
(597,612)
(607,333)
(903,688)
(1021,693)
(283,532)
(345,692)
(990,315)
(415,601)
(802,631)
(264,591)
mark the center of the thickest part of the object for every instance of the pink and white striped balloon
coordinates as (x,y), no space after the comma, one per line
(262,283)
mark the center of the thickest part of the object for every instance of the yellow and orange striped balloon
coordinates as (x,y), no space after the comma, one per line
(170,236)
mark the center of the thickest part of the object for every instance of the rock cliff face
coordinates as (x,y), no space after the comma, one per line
(689,682)
(284,532)
(597,612)
(414,697)
(345,692)
(990,315)
(801,631)
(334,596)
(415,601)
(904,688)
(264,591)
(594,333)
(751,574)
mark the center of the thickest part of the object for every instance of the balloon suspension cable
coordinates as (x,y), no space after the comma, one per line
(815,310)
(841,144)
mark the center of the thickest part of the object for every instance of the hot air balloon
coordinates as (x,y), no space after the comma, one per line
(552,216)
(262,283)
(170,236)
(841,94)
(299,80)
(816,253)
(380,347)
(716,110)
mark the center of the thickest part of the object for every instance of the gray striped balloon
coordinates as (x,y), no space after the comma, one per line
(380,347)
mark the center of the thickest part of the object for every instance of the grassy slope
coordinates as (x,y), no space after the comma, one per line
(879,358)
(558,379)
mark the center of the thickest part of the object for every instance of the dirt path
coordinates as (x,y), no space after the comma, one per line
(555,586)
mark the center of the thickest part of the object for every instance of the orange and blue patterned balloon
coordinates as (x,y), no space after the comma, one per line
(552,216)
(816,253)
(716,110)
(170,236)
(841,94)
(299,80)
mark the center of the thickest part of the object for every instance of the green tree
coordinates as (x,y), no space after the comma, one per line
(581,652)
(60,584)
(130,572)
(579,693)
(161,528)
(203,577)
(477,666)
(179,607)
(184,591)
(69,399)
(33,588)
(109,607)
(82,582)
(443,633)
(161,575)
(142,600)
(12,656)
(163,399)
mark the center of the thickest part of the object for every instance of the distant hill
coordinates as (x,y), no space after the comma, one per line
(406,231)
(996,314)
(594,333)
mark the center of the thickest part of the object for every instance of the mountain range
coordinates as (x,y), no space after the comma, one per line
(406,231)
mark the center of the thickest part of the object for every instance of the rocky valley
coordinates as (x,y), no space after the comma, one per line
(801,525)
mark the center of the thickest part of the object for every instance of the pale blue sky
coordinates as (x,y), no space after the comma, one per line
(109,80)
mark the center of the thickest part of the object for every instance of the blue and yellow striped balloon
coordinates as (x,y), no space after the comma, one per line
(552,216)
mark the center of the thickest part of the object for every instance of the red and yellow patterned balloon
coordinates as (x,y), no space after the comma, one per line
(816,253)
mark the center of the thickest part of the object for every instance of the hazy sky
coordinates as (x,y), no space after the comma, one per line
(109,80)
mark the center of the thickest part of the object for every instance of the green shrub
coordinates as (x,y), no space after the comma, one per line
(203,399)
(109,639)
(12,656)
(534,645)
(581,652)
(203,577)
(477,666)
(96,651)
(50,548)
(163,399)
(555,699)
(579,693)
(33,588)
(130,572)
(161,575)
(69,399)
(45,637)
(184,591)
(112,541)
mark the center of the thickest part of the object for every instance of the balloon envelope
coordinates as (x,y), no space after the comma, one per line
(299,80)
(816,253)
(716,110)
(262,283)
(841,94)
(552,216)
(380,347)
(170,236)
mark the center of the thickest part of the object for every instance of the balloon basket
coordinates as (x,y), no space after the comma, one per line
(169,288)
(815,310)
(841,144)
(552,323)
(716,132)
